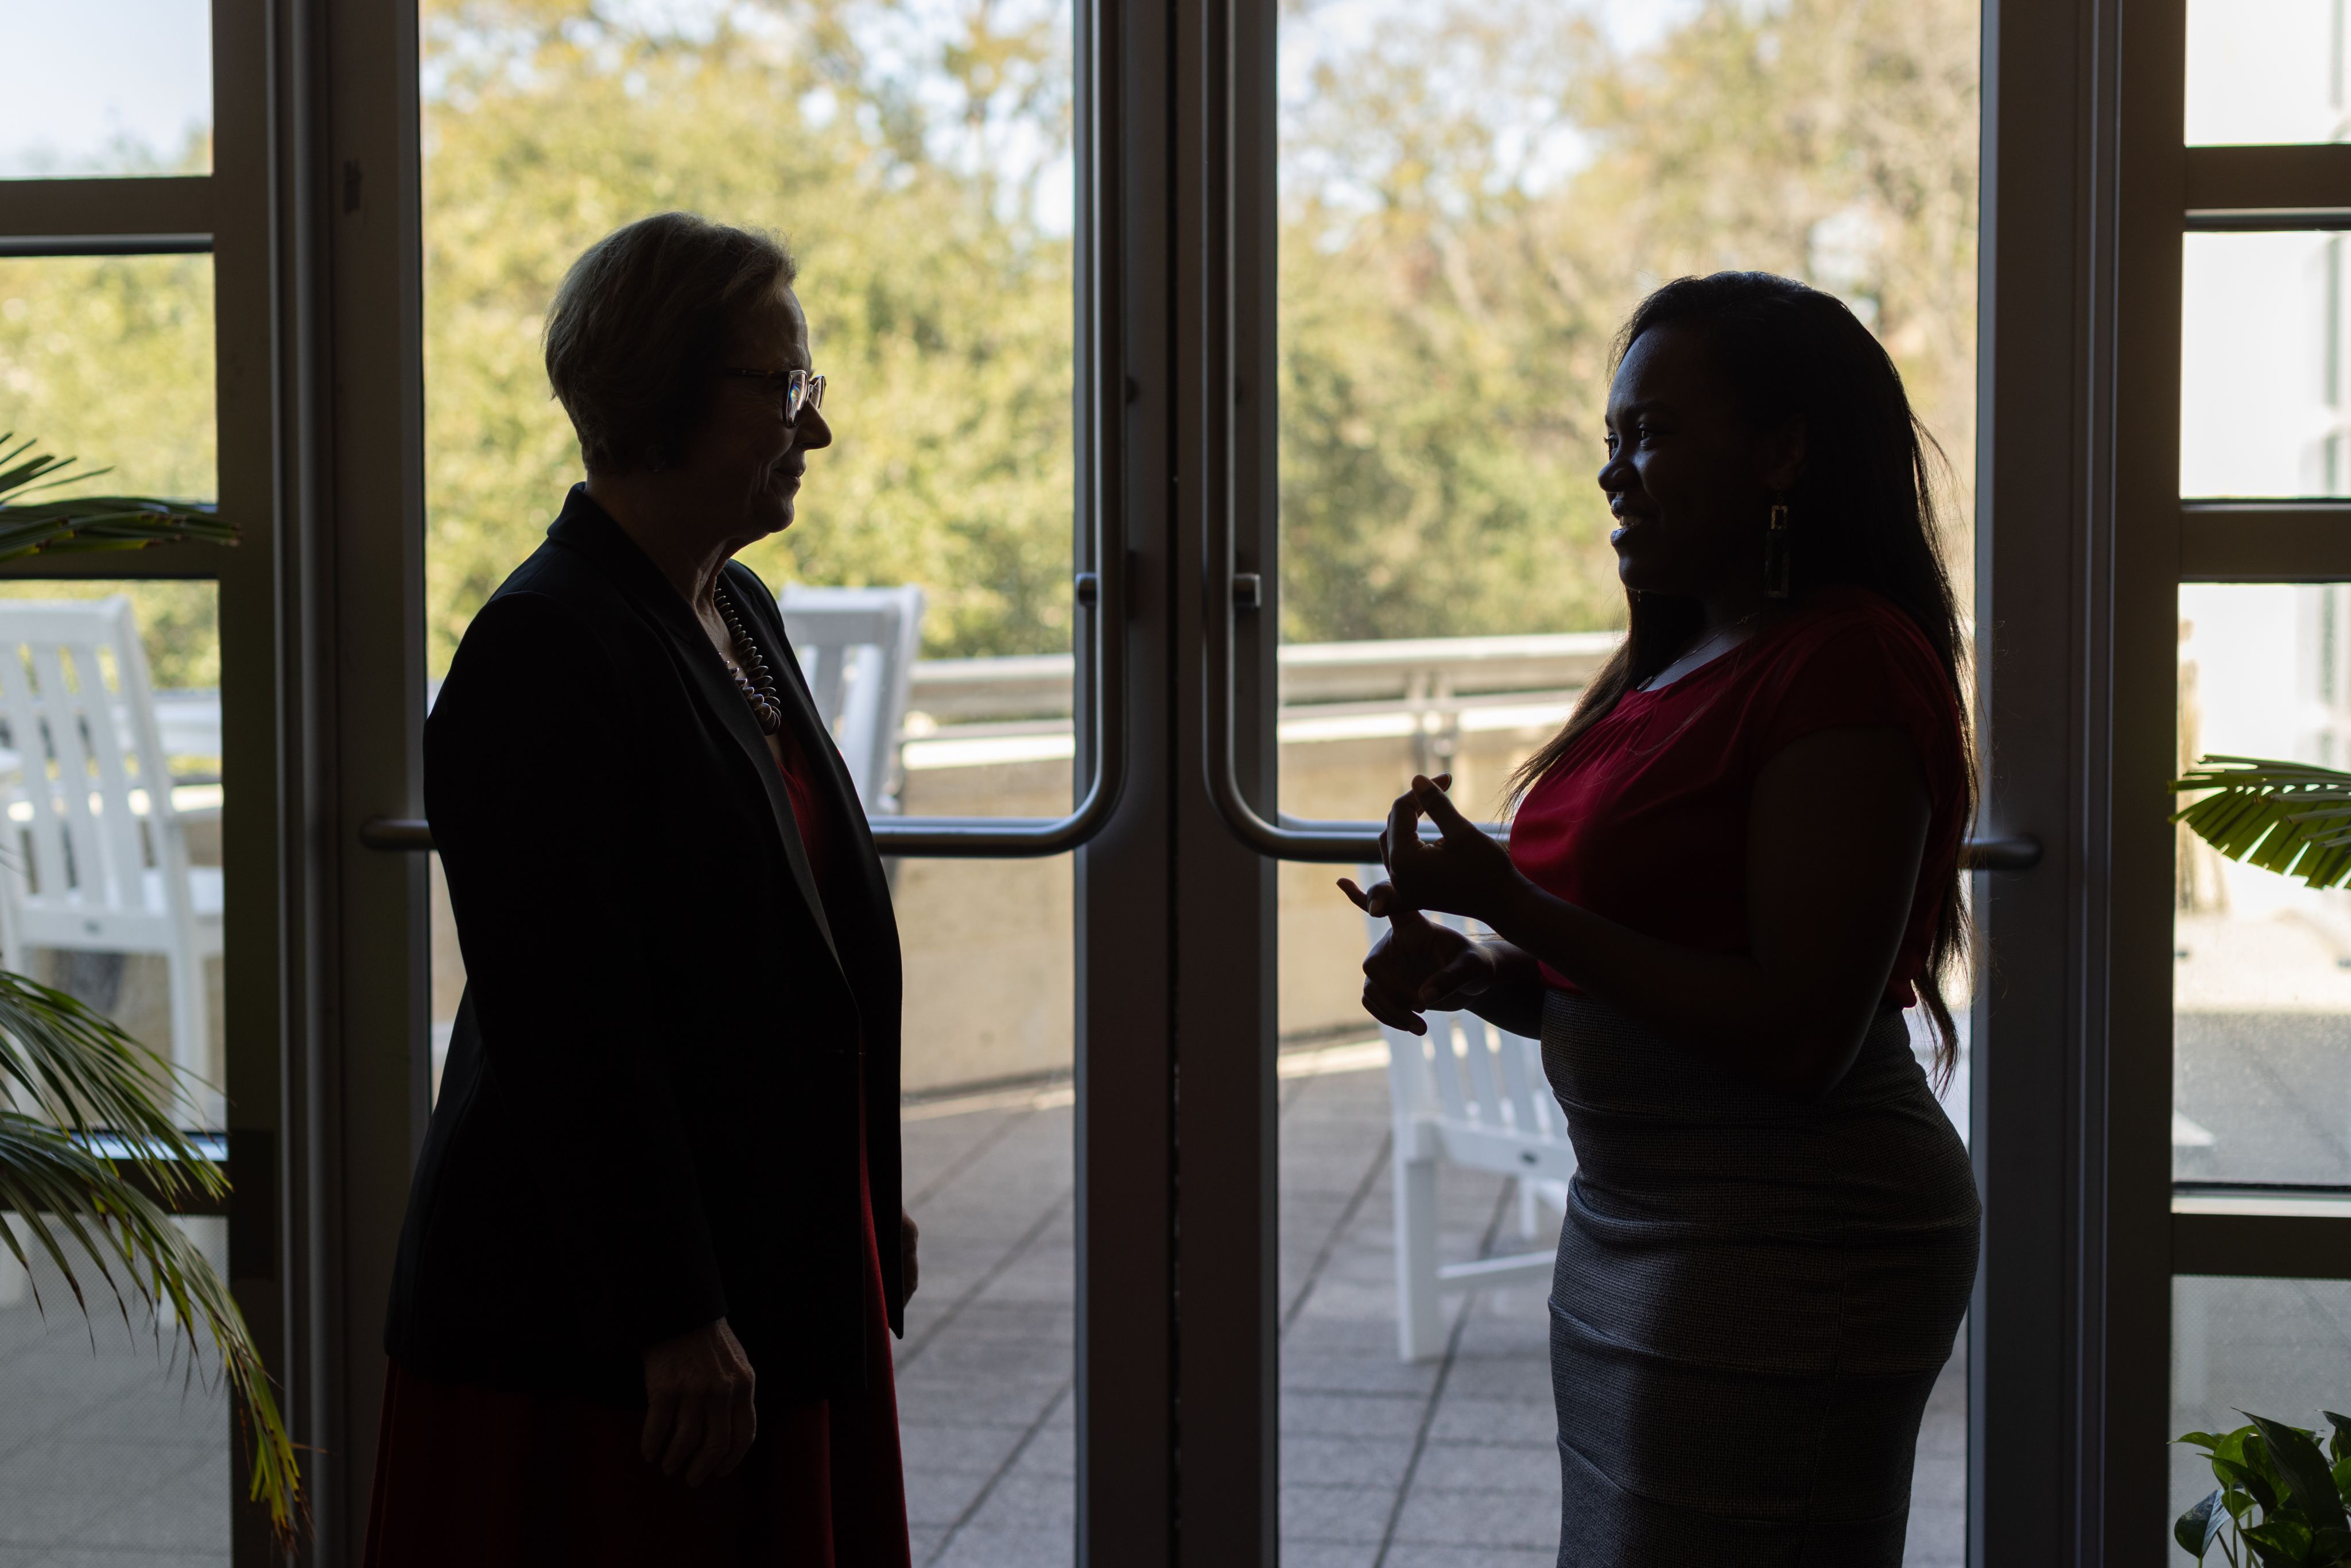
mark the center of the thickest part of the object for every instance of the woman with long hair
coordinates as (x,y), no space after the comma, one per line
(1727,878)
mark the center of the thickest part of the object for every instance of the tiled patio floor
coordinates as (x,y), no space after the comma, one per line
(107,1460)
(104,1464)
(1447,1464)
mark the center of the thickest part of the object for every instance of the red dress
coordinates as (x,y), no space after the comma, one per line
(1644,822)
(471,1476)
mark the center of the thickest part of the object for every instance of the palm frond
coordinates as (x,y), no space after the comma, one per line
(55,1184)
(83,1109)
(2291,817)
(83,523)
(84,1074)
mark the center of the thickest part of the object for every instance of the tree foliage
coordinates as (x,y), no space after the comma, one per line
(1473,197)
(111,358)
(939,308)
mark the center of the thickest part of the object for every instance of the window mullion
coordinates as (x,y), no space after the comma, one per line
(167,214)
(2265,541)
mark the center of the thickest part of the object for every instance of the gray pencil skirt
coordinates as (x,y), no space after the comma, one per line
(1752,1300)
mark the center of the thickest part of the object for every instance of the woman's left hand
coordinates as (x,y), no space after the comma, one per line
(909,1270)
(1465,871)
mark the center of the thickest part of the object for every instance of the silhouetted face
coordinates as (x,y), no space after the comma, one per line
(1689,483)
(745,463)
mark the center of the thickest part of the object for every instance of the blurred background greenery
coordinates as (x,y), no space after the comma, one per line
(1454,263)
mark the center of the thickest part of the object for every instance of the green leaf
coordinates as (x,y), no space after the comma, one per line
(90,522)
(2305,1471)
(2291,818)
(2283,1540)
(2339,1445)
(2252,1479)
(2204,1440)
(68,1076)
(55,1184)
(2330,1545)
(2194,1529)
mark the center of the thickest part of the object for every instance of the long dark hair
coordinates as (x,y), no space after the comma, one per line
(1863,511)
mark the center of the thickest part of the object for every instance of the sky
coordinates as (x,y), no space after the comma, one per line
(111,72)
(2264,70)
(91,75)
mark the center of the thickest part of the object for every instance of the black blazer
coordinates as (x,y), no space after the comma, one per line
(648,1117)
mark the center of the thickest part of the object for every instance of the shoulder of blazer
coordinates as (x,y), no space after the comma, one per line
(590,567)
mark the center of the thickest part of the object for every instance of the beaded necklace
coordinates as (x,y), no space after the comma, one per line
(752,676)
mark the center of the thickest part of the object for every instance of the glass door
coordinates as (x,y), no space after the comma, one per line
(1472,200)
(2261,1118)
(135,873)
(923,165)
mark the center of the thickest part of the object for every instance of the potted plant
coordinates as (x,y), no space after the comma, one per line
(92,1152)
(2280,1500)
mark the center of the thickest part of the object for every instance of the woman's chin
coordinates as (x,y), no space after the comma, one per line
(1647,574)
(775,514)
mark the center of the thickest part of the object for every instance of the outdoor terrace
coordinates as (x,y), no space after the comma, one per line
(1384,1465)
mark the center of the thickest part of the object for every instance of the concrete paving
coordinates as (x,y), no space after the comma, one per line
(1450,1464)
(106,1460)
(108,1456)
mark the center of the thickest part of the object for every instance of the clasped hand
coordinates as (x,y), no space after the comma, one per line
(699,1415)
(1418,965)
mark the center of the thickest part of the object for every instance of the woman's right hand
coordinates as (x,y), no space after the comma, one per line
(1418,966)
(698,1412)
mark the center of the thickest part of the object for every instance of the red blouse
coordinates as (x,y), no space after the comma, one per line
(1645,820)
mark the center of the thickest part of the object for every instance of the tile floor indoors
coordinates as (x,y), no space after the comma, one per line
(105,1464)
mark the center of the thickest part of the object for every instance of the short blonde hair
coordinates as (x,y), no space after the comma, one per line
(633,335)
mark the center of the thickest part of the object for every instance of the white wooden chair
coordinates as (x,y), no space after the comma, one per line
(96,856)
(857,648)
(1470,1094)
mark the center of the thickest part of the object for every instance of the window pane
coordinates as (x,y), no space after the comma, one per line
(1472,197)
(108,360)
(122,87)
(2262,963)
(918,159)
(2276,1347)
(105,1447)
(2263,390)
(2265,71)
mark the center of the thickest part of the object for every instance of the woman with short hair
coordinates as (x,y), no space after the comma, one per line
(641,1312)
(1727,876)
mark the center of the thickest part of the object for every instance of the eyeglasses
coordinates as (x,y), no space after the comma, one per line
(795,389)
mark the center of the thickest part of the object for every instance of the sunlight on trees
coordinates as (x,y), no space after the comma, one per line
(939,306)
(109,359)
(1473,197)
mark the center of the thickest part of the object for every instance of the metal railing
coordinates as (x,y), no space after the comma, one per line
(1436,682)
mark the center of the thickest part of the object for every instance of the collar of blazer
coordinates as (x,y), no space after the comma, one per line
(587,527)
(873,920)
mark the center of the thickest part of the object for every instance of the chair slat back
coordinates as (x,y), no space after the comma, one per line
(1521,1060)
(79,716)
(1485,1080)
(857,648)
(1444,1049)
(1468,1071)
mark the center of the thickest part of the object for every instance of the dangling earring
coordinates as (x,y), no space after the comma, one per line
(1776,562)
